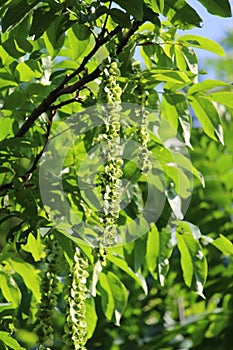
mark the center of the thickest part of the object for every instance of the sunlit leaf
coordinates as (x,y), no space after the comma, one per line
(201,43)
(224,245)
(193,261)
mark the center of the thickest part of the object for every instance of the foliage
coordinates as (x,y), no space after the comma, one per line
(61,61)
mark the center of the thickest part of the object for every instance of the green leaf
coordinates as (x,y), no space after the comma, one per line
(10,47)
(217,7)
(120,17)
(165,251)
(225,98)
(224,245)
(29,70)
(113,296)
(122,264)
(14,100)
(9,341)
(5,306)
(186,227)
(167,75)
(10,289)
(29,276)
(176,109)
(91,316)
(175,203)
(201,43)
(208,115)
(152,250)
(120,296)
(134,8)
(81,31)
(159,250)
(181,14)
(193,261)
(107,300)
(35,247)
(16,12)
(42,18)
(155,5)
(95,277)
(205,85)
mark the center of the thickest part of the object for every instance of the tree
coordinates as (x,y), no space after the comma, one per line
(102,245)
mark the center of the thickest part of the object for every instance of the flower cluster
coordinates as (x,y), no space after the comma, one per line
(143,139)
(48,287)
(110,177)
(142,119)
(76,326)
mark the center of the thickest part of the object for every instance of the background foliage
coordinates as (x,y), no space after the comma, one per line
(171,288)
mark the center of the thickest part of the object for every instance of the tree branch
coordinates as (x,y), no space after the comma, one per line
(52,97)
(61,89)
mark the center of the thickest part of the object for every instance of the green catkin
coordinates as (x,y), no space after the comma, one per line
(48,288)
(143,138)
(110,178)
(76,327)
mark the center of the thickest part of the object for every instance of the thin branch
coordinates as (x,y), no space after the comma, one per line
(52,97)
(127,36)
(28,174)
(61,90)
(95,74)
(67,102)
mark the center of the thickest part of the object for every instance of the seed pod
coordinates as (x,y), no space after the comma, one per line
(76,326)
(44,328)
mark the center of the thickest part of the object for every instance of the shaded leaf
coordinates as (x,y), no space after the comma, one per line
(134,8)
(16,12)
(120,17)
(91,316)
(217,7)
(9,341)
(181,14)
(122,264)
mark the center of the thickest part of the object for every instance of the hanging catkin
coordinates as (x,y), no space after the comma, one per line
(110,177)
(48,287)
(76,327)
(142,114)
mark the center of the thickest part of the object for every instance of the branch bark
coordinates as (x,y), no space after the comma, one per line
(52,97)
(47,104)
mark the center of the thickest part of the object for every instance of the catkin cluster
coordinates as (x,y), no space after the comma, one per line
(143,139)
(143,136)
(76,326)
(110,177)
(48,287)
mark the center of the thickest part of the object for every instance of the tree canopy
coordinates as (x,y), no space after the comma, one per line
(116,212)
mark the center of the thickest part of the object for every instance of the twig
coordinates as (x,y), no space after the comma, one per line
(127,36)
(28,174)
(52,97)
(61,90)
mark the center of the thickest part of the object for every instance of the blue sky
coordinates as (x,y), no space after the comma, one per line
(213,27)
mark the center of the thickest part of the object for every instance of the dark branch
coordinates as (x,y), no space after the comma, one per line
(46,105)
(52,97)
(127,36)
